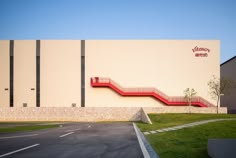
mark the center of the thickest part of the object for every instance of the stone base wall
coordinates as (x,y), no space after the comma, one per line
(70,114)
(88,114)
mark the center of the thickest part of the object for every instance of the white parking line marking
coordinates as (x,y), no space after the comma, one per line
(89,126)
(19,136)
(66,134)
(72,130)
(19,150)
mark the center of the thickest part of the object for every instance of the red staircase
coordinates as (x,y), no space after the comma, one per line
(153,92)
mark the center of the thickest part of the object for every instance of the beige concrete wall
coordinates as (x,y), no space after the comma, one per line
(4,73)
(168,65)
(24,73)
(60,73)
(228,70)
(144,117)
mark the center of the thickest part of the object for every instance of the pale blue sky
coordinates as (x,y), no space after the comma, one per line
(121,19)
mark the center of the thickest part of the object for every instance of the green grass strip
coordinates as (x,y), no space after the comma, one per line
(169,120)
(191,142)
(25,128)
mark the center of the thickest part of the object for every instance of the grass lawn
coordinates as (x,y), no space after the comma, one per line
(188,142)
(20,127)
(170,120)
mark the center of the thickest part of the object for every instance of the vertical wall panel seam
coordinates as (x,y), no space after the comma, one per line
(82,73)
(37,73)
(11,53)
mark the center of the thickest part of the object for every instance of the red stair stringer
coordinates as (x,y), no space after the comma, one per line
(153,92)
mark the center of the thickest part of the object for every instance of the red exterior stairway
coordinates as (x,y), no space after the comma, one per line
(152,92)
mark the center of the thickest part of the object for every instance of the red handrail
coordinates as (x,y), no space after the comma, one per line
(168,100)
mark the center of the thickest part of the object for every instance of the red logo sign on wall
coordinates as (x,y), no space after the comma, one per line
(200,51)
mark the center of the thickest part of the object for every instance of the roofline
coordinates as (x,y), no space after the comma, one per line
(228,60)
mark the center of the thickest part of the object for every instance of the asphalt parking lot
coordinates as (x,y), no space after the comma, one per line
(73,140)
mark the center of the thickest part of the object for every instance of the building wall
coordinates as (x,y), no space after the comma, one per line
(167,65)
(60,73)
(227,70)
(4,73)
(24,73)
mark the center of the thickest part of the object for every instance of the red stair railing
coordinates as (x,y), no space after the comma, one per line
(168,100)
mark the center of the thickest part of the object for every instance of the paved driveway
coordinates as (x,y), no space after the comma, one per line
(74,140)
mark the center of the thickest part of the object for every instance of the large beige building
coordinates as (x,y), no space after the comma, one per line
(129,73)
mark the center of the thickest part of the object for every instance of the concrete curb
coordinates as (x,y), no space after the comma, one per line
(146,148)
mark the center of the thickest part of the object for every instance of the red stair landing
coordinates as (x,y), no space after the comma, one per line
(152,92)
